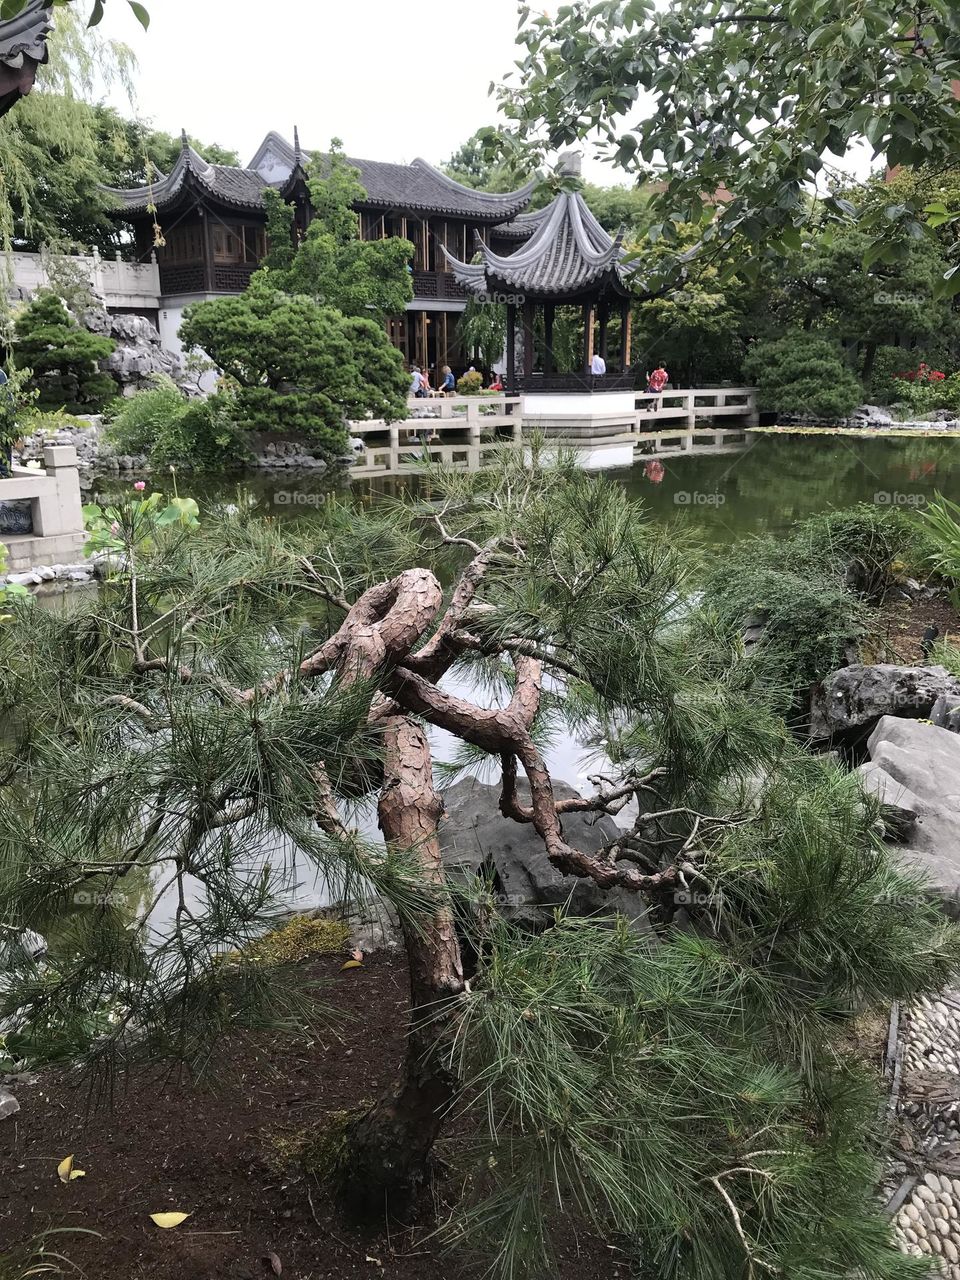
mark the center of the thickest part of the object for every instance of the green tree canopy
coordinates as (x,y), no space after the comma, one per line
(63,149)
(760,99)
(63,357)
(302,368)
(331,263)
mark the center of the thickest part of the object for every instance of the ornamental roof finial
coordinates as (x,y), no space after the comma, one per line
(296,145)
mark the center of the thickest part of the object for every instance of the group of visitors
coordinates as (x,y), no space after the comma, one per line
(421,388)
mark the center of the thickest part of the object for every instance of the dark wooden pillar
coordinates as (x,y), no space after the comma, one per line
(528,310)
(209,278)
(587,337)
(511,348)
(604,319)
(549,311)
(625,334)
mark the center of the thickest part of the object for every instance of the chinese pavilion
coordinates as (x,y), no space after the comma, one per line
(207,225)
(567,260)
(23,48)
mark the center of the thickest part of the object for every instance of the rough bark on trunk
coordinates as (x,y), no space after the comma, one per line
(387,1151)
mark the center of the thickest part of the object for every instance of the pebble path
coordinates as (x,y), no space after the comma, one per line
(922,1191)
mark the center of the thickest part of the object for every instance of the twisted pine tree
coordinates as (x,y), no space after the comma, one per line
(238,690)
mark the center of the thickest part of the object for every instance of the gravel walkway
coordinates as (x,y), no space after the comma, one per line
(923,1187)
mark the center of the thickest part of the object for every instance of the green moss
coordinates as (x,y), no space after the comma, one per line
(318,1151)
(299,939)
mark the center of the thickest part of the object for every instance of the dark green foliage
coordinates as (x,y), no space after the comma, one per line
(641,1083)
(808,617)
(634,1083)
(810,591)
(200,435)
(302,369)
(718,120)
(63,357)
(331,264)
(803,373)
(869,547)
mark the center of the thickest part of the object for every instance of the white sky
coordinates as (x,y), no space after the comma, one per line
(394,79)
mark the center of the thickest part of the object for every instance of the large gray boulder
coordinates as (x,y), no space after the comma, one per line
(852,700)
(476,837)
(870,415)
(916,766)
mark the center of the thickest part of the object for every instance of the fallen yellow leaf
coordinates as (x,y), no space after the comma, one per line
(168,1220)
(351,964)
(66,1172)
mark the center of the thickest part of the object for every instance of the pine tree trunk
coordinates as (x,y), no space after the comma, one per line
(869,360)
(387,1152)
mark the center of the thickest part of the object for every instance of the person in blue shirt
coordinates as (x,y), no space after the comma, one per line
(449,384)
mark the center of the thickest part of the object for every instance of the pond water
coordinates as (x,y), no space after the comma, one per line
(762,489)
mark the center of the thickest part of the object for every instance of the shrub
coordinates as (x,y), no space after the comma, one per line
(471,384)
(868,547)
(8,590)
(802,373)
(885,386)
(301,369)
(940,523)
(139,420)
(63,357)
(925,388)
(808,617)
(201,435)
(812,590)
(16,399)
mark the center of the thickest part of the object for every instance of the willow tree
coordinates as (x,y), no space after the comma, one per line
(238,689)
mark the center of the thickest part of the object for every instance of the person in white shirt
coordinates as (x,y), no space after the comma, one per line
(598,366)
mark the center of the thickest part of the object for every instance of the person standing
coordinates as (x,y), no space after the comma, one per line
(656,381)
(598,366)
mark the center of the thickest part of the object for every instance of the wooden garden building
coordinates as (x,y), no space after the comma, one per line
(207,225)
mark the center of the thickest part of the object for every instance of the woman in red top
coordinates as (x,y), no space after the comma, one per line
(656,381)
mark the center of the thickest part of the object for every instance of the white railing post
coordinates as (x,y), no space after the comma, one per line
(752,415)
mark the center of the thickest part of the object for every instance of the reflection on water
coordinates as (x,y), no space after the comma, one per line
(777,480)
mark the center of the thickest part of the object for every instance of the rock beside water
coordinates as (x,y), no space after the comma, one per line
(916,766)
(852,700)
(476,838)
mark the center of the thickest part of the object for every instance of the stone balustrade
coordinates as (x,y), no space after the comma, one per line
(56,509)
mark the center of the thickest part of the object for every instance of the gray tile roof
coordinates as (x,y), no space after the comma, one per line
(23,47)
(522,226)
(568,255)
(417,186)
(25,36)
(233,186)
